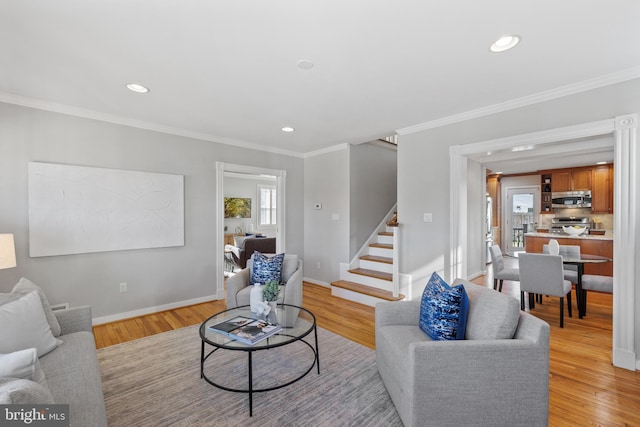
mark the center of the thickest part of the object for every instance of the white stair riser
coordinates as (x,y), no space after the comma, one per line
(380,252)
(387,240)
(369,281)
(377,266)
(354,296)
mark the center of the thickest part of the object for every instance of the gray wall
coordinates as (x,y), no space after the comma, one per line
(373,190)
(326,230)
(423,164)
(155,277)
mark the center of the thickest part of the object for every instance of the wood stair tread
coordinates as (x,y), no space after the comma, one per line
(372,273)
(385,233)
(375,258)
(367,290)
(381,245)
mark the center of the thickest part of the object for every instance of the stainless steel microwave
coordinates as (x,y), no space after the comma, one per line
(571,199)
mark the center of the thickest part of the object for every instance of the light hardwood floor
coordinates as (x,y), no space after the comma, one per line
(585,388)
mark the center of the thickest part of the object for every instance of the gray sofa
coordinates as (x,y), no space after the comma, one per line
(49,356)
(497,376)
(72,371)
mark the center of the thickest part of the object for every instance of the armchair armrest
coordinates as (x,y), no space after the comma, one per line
(293,288)
(235,284)
(74,319)
(513,369)
(397,313)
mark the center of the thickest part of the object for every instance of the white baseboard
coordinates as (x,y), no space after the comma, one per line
(149,310)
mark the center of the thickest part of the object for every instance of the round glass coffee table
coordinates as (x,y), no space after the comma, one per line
(304,326)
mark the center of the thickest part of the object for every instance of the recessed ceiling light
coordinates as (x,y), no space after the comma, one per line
(135,87)
(305,64)
(522,148)
(287,129)
(505,43)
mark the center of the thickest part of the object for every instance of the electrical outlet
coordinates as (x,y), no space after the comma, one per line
(123,287)
(318,264)
(427,217)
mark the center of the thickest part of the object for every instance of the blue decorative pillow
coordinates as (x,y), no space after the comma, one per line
(443,310)
(266,268)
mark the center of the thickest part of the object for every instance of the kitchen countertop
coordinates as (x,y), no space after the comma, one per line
(608,235)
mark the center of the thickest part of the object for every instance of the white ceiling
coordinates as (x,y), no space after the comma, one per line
(226,70)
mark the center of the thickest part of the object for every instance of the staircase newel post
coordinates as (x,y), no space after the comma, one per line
(396,261)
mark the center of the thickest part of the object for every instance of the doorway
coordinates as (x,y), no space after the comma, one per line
(520,216)
(281,177)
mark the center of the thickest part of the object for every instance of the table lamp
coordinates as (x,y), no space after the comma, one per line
(7,251)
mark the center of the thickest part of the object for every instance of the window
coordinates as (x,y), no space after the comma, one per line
(267,203)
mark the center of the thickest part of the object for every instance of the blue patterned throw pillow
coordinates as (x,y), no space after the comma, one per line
(443,310)
(266,268)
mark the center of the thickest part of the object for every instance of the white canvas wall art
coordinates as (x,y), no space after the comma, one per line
(77,209)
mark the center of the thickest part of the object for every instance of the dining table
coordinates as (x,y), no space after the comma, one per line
(579,263)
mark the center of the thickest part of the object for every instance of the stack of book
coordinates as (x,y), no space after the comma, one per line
(246,330)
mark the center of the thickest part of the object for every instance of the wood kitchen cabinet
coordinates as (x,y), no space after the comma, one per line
(574,180)
(602,189)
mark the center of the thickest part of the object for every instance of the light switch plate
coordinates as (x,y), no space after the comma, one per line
(428,217)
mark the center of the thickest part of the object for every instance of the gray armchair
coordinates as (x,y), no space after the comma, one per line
(497,376)
(239,287)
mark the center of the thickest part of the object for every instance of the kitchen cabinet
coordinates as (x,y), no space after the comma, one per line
(602,189)
(571,180)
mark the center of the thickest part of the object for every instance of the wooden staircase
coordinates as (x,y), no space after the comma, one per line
(370,278)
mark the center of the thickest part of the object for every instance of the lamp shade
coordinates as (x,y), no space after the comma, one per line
(7,251)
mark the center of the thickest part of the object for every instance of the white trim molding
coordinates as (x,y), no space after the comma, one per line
(626,207)
(624,244)
(595,83)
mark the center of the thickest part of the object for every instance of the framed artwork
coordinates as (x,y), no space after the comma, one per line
(237,207)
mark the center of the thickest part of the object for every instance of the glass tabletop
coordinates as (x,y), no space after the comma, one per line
(304,325)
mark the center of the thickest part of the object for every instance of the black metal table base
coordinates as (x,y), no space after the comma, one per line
(250,390)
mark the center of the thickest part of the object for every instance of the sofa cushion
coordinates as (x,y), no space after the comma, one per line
(24,325)
(73,376)
(492,314)
(23,364)
(443,310)
(25,286)
(21,391)
(266,268)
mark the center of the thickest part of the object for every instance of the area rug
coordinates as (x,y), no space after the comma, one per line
(155,381)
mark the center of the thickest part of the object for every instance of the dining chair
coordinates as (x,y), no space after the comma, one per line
(543,274)
(567,251)
(499,271)
(594,282)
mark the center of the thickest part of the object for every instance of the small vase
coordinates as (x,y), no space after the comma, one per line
(272,318)
(554,247)
(255,297)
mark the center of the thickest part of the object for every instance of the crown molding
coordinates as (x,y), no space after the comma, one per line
(325,150)
(140,124)
(583,86)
